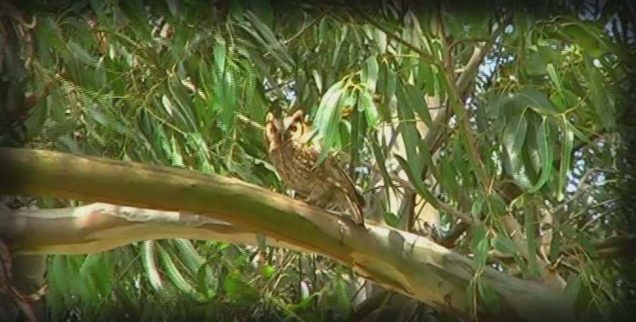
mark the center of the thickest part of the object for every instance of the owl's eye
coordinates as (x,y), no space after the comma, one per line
(293,128)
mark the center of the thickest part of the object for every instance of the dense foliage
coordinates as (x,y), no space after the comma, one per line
(528,150)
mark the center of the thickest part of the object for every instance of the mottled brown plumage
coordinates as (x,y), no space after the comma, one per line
(325,185)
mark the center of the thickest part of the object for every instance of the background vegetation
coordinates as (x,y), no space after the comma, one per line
(529,150)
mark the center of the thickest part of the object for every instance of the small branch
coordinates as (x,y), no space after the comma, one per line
(613,247)
(437,203)
(423,55)
(433,138)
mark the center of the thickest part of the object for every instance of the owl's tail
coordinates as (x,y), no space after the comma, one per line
(357,207)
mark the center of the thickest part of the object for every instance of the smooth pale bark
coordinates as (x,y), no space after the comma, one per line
(233,210)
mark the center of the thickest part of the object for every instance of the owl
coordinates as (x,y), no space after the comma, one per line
(324,185)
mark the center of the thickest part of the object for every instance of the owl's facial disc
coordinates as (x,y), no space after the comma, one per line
(273,132)
(293,125)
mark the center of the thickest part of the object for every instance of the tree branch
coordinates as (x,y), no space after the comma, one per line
(398,260)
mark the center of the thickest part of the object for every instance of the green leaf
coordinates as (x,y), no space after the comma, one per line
(504,244)
(98,269)
(418,104)
(317,80)
(328,116)
(566,155)
(268,271)
(449,180)
(176,277)
(268,39)
(60,129)
(219,52)
(366,105)
(391,219)
(426,77)
(495,106)
(564,100)
(603,104)
(409,132)
(536,100)
(339,299)
(488,296)
(555,246)
(554,77)
(535,65)
(476,207)
(184,102)
(238,291)
(585,36)
(150,265)
(207,282)
(497,204)
(381,161)
(264,11)
(188,255)
(414,178)
(390,83)
(479,245)
(176,159)
(530,227)
(514,136)
(197,144)
(369,74)
(81,54)
(573,289)
(545,154)
(380,40)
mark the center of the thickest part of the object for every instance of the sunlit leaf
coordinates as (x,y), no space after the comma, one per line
(98,268)
(365,101)
(370,73)
(514,136)
(317,80)
(328,116)
(602,103)
(175,275)
(566,155)
(151,269)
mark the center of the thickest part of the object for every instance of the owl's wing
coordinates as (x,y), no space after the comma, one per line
(345,181)
(336,172)
(353,197)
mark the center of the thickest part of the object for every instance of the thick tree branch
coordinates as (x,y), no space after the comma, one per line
(398,260)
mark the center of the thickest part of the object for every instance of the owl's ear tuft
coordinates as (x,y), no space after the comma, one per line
(298,115)
(269,117)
